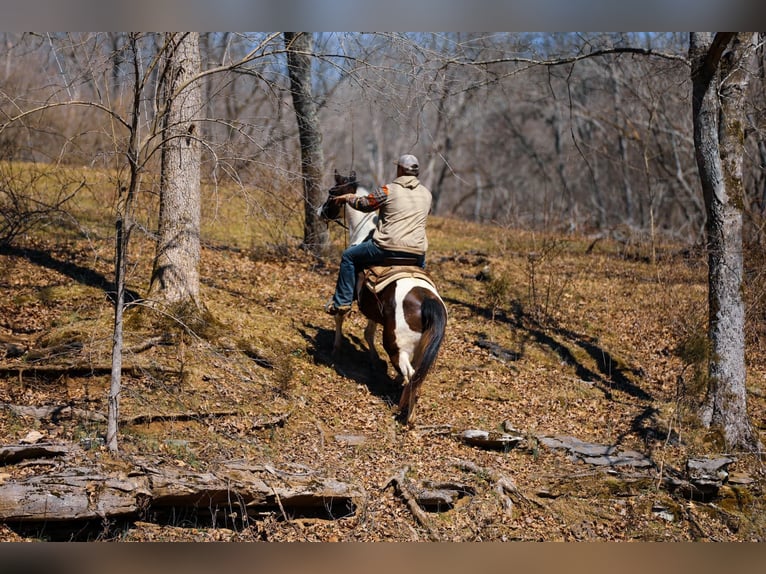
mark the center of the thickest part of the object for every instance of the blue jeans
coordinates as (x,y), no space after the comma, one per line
(356,258)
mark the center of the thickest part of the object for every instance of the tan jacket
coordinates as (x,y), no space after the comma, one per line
(403,207)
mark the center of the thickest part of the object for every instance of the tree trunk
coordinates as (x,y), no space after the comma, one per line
(316,236)
(719,144)
(124,226)
(115,384)
(175,277)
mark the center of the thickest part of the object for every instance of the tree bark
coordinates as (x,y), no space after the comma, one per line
(719,84)
(175,276)
(300,46)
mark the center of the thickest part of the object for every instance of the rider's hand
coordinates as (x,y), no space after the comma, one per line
(343,198)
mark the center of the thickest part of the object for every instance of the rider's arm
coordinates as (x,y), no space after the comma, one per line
(370,202)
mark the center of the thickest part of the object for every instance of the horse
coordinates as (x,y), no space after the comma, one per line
(410,309)
(359,224)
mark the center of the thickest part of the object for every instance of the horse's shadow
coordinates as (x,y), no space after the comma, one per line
(352,362)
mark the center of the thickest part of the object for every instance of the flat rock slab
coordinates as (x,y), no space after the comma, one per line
(596,454)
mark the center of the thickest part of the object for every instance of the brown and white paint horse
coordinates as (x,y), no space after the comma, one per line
(410,310)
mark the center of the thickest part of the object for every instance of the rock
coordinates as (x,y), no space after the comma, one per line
(706,475)
(485,274)
(436,500)
(350,439)
(740,479)
(492,440)
(661,511)
(708,469)
(33,437)
(597,454)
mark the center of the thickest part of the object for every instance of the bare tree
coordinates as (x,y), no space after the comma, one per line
(175,276)
(720,74)
(300,47)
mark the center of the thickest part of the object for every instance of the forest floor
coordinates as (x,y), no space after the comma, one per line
(547,337)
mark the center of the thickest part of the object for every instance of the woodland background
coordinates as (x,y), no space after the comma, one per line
(594,144)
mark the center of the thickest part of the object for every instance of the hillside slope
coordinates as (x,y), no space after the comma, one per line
(546,338)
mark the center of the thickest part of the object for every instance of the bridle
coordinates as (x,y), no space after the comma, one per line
(335,191)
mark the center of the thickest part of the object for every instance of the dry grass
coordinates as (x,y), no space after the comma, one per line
(558,341)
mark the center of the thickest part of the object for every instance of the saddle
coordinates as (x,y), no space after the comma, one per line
(378,277)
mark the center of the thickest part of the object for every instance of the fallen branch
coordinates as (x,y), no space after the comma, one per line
(258,424)
(177,417)
(62,350)
(13,346)
(400,484)
(503,485)
(58,412)
(57,371)
(163,339)
(53,413)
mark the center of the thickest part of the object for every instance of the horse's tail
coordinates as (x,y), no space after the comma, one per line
(433,316)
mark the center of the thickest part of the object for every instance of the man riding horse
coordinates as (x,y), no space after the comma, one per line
(400,234)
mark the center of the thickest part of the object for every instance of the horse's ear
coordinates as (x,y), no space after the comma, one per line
(352,176)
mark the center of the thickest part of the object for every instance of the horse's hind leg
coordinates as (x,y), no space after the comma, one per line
(407,403)
(338,333)
(369,337)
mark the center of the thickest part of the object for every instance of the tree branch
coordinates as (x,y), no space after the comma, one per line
(573,59)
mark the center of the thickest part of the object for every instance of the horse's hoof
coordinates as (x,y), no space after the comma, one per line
(402,417)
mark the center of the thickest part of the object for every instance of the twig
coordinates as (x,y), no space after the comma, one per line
(295,527)
(149,343)
(400,484)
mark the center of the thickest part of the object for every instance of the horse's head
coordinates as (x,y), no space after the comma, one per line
(343,185)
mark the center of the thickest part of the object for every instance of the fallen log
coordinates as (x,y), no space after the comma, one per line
(490,440)
(78,494)
(150,491)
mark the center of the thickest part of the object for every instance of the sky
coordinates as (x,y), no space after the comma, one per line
(382,15)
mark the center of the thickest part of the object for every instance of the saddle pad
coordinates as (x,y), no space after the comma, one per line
(378,277)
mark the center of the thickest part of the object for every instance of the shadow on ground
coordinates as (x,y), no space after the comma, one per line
(352,362)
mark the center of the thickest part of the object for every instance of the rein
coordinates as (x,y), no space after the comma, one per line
(333,192)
